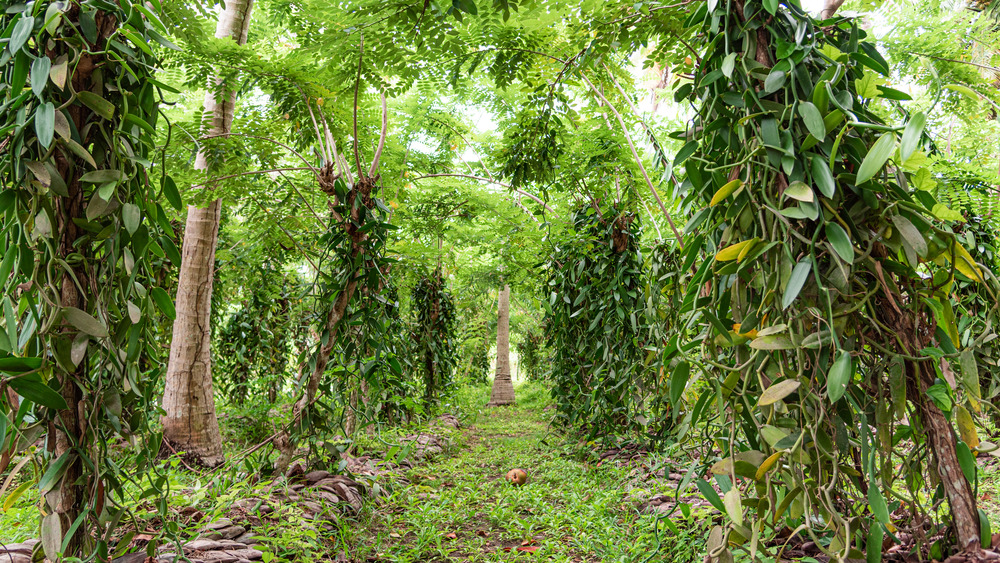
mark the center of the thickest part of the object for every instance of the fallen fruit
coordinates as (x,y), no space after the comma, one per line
(517,476)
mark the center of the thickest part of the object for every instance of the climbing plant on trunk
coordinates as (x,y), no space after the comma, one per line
(824,288)
(435,335)
(80,227)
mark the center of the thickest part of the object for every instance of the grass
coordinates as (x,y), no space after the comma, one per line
(459,507)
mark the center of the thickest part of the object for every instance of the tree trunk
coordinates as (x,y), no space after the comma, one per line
(190,423)
(503,387)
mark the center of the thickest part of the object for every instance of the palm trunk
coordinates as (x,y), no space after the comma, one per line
(503,387)
(190,423)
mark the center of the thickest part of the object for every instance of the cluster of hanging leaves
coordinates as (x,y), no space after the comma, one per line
(434,335)
(532,353)
(80,229)
(824,289)
(255,342)
(594,310)
(366,348)
(474,346)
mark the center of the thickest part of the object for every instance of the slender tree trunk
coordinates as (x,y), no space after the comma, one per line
(190,423)
(503,387)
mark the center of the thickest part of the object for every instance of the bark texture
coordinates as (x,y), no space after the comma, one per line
(503,387)
(190,423)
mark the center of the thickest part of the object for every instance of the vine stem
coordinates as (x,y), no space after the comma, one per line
(635,155)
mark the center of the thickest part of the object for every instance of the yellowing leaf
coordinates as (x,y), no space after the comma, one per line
(734,505)
(732,251)
(768,464)
(725,191)
(966,427)
(964,263)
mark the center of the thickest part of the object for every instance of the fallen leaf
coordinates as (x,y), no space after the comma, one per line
(451,536)
(394,535)
(481,534)
(528,548)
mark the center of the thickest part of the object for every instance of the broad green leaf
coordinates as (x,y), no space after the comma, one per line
(678,381)
(728,64)
(710,495)
(945,213)
(686,151)
(910,234)
(923,180)
(778,391)
(19,36)
(45,124)
(131,217)
(725,191)
(774,81)
(813,120)
(54,472)
(100,106)
(103,176)
(966,461)
(163,302)
(79,151)
(877,503)
(964,90)
(840,241)
(873,547)
(911,135)
(32,388)
(170,192)
(773,342)
(840,375)
(84,322)
(876,158)
(800,273)
(822,176)
(15,365)
(800,191)
(52,536)
(771,6)
(734,505)
(40,74)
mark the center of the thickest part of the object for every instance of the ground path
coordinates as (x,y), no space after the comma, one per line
(458,507)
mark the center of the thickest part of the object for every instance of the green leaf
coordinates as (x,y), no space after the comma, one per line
(771,6)
(945,213)
(840,376)
(15,365)
(686,151)
(19,36)
(840,241)
(45,124)
(773,342)
(710,495)
(40,74)
(800,191)
(728,64)
(33,389)
(84,322)
(876,157)
(131,217)
(100,106)
(734,505)
(822,176)
(103,176)
(910,234)
(774,81)
(800,273)
(163,302)
(678,381)
(873,547)
(55,471)
(877,503)
(778,391)
(911,135)
(813,120)
(170,192)
(964,90)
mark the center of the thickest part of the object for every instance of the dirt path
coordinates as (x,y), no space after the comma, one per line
(459,507)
